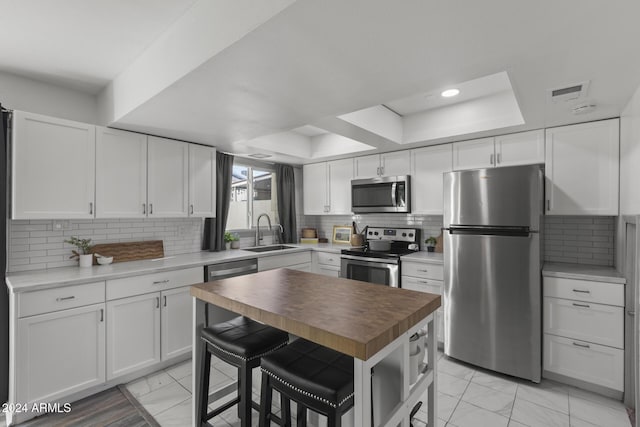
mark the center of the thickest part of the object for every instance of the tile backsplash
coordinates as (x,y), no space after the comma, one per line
(36,244)
(580,239)
(429,225)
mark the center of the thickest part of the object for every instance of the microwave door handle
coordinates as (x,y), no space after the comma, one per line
(394,187)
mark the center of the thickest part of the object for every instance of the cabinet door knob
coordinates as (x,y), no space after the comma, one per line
(144,209)
(150,208)
(499,157)
(191,212)
(90,208)
(491,159)
(157,302)
(165,300)
(102,314)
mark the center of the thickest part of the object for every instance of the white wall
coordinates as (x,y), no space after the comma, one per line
(21,93)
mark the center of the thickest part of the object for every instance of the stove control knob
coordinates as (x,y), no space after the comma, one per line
(370,233)
(376,233)
(410,234)
(404,234)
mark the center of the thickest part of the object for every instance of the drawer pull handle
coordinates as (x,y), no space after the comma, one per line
(581,305)
(65,298)
(581,291)
(423,281)
(423,271)
(577,344)
(159,282)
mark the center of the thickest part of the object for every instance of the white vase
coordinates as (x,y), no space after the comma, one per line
(227,245)
(86,260)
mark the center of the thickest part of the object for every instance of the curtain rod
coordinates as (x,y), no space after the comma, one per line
(6,110)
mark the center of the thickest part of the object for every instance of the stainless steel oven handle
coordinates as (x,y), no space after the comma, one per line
(394,188)
(368,260)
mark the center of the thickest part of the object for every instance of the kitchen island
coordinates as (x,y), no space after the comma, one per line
(371,323)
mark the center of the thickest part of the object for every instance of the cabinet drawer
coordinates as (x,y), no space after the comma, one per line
(597,323)
(584,290)
(423,269)
(137,285)
(48,300)
(421,285)
(327,258)
(278,261)
(589,362)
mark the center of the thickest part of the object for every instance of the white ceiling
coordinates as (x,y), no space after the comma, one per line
(307,61)
(81,44)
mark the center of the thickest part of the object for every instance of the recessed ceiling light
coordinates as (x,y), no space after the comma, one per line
(260,155)
(449,93)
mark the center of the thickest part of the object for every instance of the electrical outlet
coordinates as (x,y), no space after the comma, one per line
(61,225)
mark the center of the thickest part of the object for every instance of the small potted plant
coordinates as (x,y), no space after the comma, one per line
(431,244)
(83,255)
(235,243)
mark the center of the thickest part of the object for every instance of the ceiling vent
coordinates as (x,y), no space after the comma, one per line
(569,93)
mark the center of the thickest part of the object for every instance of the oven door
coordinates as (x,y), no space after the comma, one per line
(373,270)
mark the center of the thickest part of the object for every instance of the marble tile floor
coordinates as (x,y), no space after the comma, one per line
(467,397)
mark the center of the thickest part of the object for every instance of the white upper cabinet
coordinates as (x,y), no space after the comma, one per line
(427,167)
(168,178)
(474,154)
(121,174)
(387,164)
(315,188)
(327,187)
(202,181)
(366,166)
(340,174)
(53,174)
(523,148)
(582,164)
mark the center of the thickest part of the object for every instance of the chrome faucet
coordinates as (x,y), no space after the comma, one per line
(258,238)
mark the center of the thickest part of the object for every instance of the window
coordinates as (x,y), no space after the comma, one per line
(253,192)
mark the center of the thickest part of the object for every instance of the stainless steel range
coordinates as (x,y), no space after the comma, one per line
(378,261)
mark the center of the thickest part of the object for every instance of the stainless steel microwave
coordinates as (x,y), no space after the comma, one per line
(382,194)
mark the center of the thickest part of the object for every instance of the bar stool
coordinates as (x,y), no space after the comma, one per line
(240,342)
(313,376)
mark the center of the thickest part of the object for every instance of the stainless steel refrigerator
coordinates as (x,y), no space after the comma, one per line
(492,290)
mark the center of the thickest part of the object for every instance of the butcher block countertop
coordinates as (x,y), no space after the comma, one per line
(349,316)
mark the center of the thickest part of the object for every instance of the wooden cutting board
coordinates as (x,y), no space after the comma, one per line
(129,251)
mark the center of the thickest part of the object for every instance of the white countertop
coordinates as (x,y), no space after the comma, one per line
(425,256)
(584,272)
(42,279)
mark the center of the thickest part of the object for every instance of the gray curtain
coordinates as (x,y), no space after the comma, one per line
(286,188)
(224,168)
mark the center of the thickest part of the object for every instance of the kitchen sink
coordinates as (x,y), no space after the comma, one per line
(269,248)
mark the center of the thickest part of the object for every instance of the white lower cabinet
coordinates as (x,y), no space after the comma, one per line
(585,361)
(60,353)
(584,331)
(296,261)
(429,278)
(133,334)
(326,263)
(176,322)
